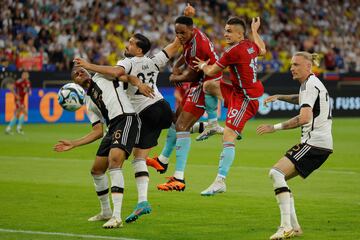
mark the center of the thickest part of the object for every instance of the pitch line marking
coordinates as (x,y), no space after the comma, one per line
(64,234)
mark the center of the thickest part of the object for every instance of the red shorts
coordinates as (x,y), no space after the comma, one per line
(19,103)
(240,110)
(194,102)
(226,90)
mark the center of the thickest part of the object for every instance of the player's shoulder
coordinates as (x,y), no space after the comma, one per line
(201,37)
(311,82)
(232,48)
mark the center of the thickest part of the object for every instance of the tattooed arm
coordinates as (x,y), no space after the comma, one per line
(303,118)
(294,98)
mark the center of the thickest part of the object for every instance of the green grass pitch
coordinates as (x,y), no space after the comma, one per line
(45,191)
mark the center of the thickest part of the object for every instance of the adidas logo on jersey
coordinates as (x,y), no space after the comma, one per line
(116,142)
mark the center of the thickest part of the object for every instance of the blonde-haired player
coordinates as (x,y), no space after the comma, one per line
(316,139)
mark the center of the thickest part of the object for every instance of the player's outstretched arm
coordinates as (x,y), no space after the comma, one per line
(173,48)
(303,118)
(255,24)
(115,72)
(209,70)
(66,145)
(294,98)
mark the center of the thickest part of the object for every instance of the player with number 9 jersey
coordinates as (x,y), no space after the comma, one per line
(246,88)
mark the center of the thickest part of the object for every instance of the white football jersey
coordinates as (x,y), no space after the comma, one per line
(108,99)
(93,112)
(317,132)
(147,70)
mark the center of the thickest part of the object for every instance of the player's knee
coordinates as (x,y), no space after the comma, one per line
(97,171)
(115,162)
(180,127)
(209,87)
(278,178)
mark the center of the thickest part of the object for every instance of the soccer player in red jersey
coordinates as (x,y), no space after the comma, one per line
(241,98)
(22,88)
(195,45)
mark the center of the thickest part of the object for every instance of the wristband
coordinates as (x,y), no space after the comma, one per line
(202,66)
(278,126)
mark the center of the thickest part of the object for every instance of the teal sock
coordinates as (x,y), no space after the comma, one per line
(12,122)
(183,142)
(226,158)
(170,142)
(211,104)
(21,121)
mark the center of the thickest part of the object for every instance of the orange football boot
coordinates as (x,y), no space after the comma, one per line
(155,163)
(172,184)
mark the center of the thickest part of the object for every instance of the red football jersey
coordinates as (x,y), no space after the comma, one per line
(22,87)
(200,47)
(242,60)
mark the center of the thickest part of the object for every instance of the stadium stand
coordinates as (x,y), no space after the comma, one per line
(47,34)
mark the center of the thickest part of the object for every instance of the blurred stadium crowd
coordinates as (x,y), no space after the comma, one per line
(52,32)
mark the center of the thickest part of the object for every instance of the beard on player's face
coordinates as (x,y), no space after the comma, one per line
(127,53)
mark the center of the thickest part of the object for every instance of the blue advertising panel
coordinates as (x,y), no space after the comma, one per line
(43,107)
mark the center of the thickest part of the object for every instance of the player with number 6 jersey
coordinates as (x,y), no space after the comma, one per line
(154,112)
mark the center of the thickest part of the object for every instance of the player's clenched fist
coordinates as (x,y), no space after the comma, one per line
(80,62)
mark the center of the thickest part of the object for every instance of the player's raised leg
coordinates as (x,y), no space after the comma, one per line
(212,93)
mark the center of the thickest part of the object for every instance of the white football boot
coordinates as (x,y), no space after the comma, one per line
(113,223)
(210,130)
(218,186)
(283,233)
(99,217)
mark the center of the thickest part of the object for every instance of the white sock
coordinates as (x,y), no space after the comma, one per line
(282,196)
(141,178)
(163,159)
(198,127)
(220,178)
(179,175)
(294,221)
(213,122)
(283,200)
(102,190)
(117,190)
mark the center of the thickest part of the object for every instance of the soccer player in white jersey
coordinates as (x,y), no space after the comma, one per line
(107,103)
(155,113)
(316,139)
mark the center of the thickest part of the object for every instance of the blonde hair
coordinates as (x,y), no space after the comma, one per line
(314,58)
